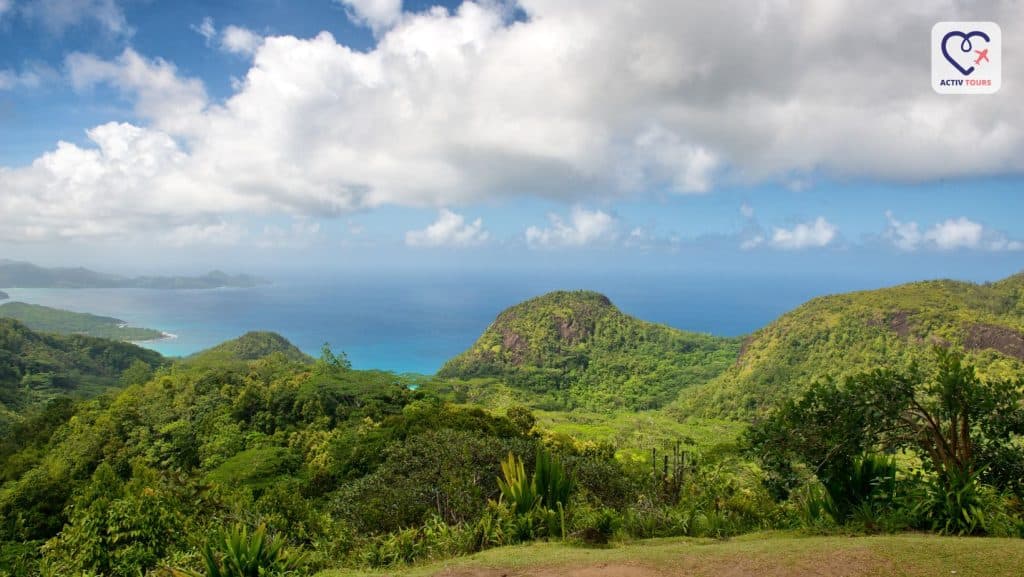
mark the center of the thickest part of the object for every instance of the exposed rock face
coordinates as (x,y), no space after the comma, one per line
(1002,339)
(515,344)
(897,322)
(571,331)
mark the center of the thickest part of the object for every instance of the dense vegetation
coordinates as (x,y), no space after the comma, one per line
(253,459)
(250,347)
(15,274)
(576,349)
(35,368)
(841,335)
(51,320)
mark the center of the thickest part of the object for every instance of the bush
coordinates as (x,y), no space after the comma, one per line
(241,554)
(959,504)
(596,526)
(864,489)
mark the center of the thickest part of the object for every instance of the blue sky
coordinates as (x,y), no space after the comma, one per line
(798,139)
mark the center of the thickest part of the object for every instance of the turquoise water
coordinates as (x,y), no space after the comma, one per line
(414,323)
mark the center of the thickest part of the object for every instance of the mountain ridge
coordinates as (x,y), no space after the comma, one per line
(16,274)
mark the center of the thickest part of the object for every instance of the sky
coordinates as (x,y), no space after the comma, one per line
(772,136)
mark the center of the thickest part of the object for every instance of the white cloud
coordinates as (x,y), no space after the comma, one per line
(573,100)
(816,234)
(5,7)
(663,157)
(903,235)
(959,233)
(206,29)
(950,234)
(746,211)
(238,40)
(377,14)
(171,103)
(59,15)
(584,228)
(450,229)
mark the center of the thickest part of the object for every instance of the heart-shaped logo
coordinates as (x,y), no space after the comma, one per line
(965,47)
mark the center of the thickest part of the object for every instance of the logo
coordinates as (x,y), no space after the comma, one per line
(967,57)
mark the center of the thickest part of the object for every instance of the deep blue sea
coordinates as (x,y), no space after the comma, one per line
(414,322)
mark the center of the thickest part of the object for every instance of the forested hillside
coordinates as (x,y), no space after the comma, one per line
(35,368)
(51,320)
(576,349)
(848,333)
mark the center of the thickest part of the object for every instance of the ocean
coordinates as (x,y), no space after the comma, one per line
(413,322)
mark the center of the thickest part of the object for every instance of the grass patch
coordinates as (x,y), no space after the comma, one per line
(780,554)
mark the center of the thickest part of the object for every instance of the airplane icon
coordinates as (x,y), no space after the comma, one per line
(982,55)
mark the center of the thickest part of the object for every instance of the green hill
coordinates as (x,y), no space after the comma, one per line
(37,367)
(50,320)
(249,347)
(849,333)
(577,349)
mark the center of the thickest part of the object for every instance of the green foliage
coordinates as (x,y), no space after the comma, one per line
(959,504)
(248,347)
(257,467)
(834,337)
(518,490)
(35,368)
(864,489)
(116,528)
(331,362)
(551,482)
(51,320)
(241,554)
(575,349)
(951,419)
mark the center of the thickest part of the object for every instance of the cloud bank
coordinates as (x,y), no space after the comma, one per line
(575,100)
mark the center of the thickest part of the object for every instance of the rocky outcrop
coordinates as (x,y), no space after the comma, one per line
(1005,340)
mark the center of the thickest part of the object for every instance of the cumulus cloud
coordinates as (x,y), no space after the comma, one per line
(816,234)
(377,14)
(583,228)
(238,40)
(59,15)
(171,103)
(569,100)
(950,234)
(450,229)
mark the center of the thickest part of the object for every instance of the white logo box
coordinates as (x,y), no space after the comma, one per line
(967,57)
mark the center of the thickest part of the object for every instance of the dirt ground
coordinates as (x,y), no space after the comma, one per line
(852,563)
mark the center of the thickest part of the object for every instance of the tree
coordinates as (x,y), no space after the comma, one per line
(959,425)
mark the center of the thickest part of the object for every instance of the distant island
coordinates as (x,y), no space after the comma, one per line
(14,274)
(50,320)
(4,296)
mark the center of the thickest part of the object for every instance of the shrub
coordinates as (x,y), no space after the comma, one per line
(241,554)
(864,489)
